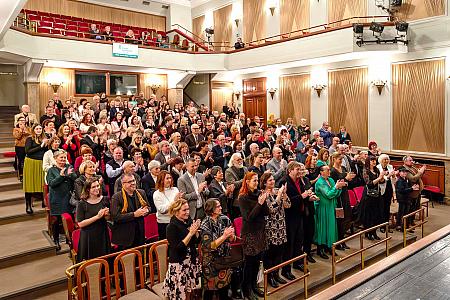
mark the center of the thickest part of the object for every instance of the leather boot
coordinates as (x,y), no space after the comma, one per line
(271,280)
(278,279)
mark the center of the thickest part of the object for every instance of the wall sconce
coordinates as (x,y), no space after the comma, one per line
(155,87)
(237,22)
(272,92)
(318,88)
(272,10)
(55,86)
(379,84)
(237,93)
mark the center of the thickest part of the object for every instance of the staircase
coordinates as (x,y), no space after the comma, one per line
(30,267)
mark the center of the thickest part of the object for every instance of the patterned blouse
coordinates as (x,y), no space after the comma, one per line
(276,221)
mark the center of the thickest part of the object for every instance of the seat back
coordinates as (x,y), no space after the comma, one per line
(151,227)
(359,192)
(125,270)
(158,258)
(352,197)
(90,282)
(68,225)
(237,223)
(75,239)
(176,39)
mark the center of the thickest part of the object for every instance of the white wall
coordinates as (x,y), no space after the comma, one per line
(179,14)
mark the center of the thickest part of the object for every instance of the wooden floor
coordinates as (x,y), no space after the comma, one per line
(425,275)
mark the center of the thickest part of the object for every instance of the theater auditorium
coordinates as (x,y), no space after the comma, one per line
(224,149)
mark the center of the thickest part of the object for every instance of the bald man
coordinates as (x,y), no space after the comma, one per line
(128,169)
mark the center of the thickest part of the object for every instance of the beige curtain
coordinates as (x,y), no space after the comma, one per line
(254,20)
(348,103)
(343,9)
(220,97)
(198,27)
(420,9)
(419,106)
(146,80)
(223,27)
(98,12)
(294,15)
(66,76)
(295,97)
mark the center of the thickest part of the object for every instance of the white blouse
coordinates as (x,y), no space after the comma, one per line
(162,202)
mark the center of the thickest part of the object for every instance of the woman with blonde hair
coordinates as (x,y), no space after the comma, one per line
(183,237)
(323,157)
(387,187)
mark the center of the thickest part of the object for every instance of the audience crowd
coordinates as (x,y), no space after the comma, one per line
(111,162)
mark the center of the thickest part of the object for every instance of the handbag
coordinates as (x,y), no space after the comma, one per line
(339,211)
(233,260)
(374,193)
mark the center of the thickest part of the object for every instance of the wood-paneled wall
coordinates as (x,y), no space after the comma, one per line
(198,27)
(420,9)
(294,15)
(348,99)
(342,9)
(418,97)
(222,27)
(220,98)
(145,81)
(295,97)
(254,20)
(98,12)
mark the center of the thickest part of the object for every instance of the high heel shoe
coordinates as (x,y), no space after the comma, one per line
(376,237)
(370,237)
(322,254)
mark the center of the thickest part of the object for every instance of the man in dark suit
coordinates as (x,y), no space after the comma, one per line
(165,156)
(219,189)
(91,140)
(308,213)
(128,210)
(148,182)
(221,152)
(195,189)
(194,138)
(267,142)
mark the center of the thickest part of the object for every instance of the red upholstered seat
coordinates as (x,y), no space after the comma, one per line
(151,227)
(352,197)
(75,239)
(45,24)
(43,13)
(72,33)
(72,27)
(47,19)
(83,29)
(237,223)
(432,189)
(44,30)
(83,24)
(163,33)
(72,23)
(359,192)
(60,26)
(34,18)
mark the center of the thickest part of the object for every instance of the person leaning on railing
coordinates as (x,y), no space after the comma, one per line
(239,44)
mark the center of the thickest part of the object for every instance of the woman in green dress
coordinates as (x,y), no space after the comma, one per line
(326,227)
(322,157)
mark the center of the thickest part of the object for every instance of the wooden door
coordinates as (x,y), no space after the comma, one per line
(255,98)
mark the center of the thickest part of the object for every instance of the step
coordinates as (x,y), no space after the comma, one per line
(25,240)
(16,213)
(6,162)
(4,149)
(10,184)
(4,144)
(6,172)
(11,197)
(33,279)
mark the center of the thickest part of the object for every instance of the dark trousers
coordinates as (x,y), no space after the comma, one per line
(386,205)
(403,209)
(251,268)
(222,294)
(294,246)
(309,229)
(55,228)
(20,159)
(162,231)
(273,256)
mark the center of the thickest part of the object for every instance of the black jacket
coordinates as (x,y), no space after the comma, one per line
(148,184)
(307,204)
(297,201)
(216,191)
(219,160)
(176,231)
(403,189)
(96,149)
(252,212)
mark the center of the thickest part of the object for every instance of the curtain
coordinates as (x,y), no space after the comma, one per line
(67,76)
(343,9)
(198,27)
(254,20)
(294,15)
(98,12)
(295,97)
(419,106)
(420,9)
(348,103)
(223,28)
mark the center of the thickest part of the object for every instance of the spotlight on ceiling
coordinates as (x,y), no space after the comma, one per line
(209,31)
(401,26)
(358,28)
(376,27)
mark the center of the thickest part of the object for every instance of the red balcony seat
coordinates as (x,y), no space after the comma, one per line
(34,18)
(76,19)
(59,26)
(83,24)
(44,30)
(43,13)
(72,33)
(47,19)
(60,21)
(116,28)
(72,27)
(46,24)
(59,31)
(163,33)
(54,15)
(83,29)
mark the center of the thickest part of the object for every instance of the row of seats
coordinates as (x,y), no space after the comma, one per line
(79,27)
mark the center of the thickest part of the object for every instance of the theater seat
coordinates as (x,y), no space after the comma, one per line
(359,192)
(431,189)
(44,30)
(353,198)
(75,242)
(158,259)
(68,226)
(237,223)
(89,279)
(151,227)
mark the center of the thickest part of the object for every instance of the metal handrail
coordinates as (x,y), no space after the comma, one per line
(361,250)
(305,275)
(421,212)
(193,34)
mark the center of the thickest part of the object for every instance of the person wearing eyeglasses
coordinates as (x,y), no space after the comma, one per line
(129,206)
(193,139)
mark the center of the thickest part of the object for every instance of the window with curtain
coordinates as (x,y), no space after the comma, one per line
(418,98)
(90,83)
(348,103)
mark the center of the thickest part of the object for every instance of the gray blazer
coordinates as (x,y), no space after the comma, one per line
(161,158)
(185,186)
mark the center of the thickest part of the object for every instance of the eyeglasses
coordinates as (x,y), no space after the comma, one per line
(130,181)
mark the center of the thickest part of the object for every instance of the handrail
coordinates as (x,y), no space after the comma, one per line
(193,34)
(361,250)
(201,45)
(305,275)
(420,211)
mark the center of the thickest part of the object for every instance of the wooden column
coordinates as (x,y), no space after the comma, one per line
(32,98)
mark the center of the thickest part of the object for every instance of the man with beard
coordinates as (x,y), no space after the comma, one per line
(234,175)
